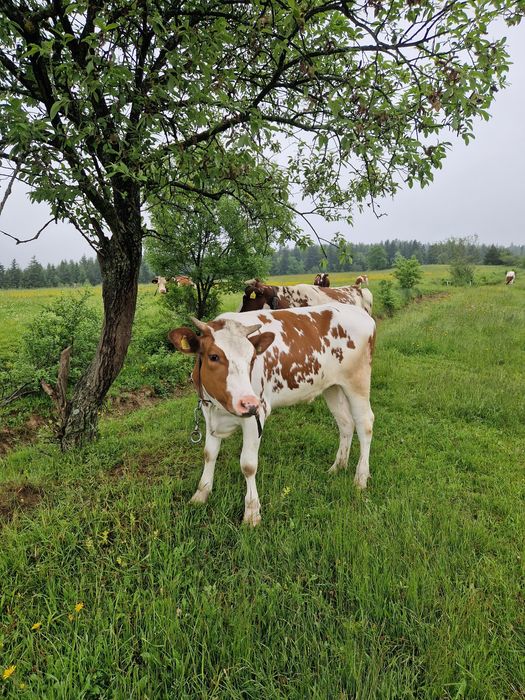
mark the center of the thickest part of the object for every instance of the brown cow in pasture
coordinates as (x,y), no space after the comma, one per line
(258,295)
(322,280)
(248,364)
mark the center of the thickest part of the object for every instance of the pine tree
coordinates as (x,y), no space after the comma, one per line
(34,276)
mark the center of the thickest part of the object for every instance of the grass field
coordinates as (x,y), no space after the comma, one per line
(112,586)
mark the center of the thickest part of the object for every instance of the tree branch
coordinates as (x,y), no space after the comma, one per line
(28,240)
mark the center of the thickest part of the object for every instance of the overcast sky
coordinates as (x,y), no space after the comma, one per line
(480,190)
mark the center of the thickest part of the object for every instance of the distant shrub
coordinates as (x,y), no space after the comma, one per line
(461,273)
(386,296)
(407,271)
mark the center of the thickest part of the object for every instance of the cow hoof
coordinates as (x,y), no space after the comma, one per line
(253,519)
(360,483)
(336,468)
(199,497)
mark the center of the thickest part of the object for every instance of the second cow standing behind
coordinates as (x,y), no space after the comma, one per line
(258,295)
(248,364)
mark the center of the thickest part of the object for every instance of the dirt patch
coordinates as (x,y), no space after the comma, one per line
(145,465)
(128,401)
(434,296)
(27,432)
(18,497)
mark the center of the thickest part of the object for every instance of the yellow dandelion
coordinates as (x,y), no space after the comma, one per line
(36,626)
(8,672)
(78,607)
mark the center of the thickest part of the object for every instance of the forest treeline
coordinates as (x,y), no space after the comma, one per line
(68,273)
(285,261)
(381,256)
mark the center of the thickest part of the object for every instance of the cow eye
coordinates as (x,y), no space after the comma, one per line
(213,358)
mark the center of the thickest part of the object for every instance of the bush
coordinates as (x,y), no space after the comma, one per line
(69,320)
(407,271)
(163,371)
(386,296)
(462,273)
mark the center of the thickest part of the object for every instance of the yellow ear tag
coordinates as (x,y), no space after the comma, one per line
(184,343)
(253,295)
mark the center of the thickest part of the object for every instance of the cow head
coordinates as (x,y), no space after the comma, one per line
(225,355)
(161,284)
(257,294)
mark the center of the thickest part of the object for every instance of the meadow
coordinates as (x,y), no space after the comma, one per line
(113,586)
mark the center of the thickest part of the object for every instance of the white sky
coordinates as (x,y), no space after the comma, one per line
(480,190)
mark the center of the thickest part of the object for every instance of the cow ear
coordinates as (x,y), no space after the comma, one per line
(185,340)
(155,280)
(252,292)
(262,341)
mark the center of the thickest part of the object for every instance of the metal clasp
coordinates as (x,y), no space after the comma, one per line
(196,433)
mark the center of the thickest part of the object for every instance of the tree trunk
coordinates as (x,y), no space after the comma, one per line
(119,260)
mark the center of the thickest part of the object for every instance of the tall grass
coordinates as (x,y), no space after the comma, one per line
(413,589)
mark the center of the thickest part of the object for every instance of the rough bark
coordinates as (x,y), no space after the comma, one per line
(58,394)
(119,261)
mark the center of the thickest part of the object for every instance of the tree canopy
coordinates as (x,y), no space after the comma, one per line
(216,242)
(103,101)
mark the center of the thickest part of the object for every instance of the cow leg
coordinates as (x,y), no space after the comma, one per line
(249,462)
(358,397)
(340,409)
(211,450)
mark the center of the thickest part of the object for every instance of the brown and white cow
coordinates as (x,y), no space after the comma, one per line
(180,280)
(510,277)
(183,281)
(258,295)
(248,364)
(322,280)
(362,279)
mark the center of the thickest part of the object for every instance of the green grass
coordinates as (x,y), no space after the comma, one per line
(413,589)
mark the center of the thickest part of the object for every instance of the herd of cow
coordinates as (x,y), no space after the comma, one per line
(285,345)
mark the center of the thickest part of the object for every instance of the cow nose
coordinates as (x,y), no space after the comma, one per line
(248,405)
(163,290)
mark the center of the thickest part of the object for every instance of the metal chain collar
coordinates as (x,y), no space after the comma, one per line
(196,433)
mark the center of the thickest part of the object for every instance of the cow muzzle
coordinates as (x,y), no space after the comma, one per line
(247,406)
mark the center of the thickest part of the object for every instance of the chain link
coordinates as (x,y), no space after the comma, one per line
(196,433)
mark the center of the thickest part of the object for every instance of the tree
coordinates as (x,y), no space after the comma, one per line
(216,242)
(493,256)
(106,103)
(377,258)
(13,275)
(313,258)
(34,275)
(284,261)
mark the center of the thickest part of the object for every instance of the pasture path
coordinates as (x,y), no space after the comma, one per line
(112,586)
